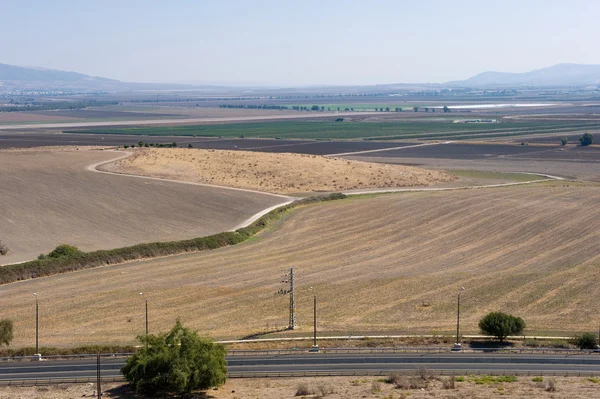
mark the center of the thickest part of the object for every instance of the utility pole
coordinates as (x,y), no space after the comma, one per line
(457,345)
(292,322)
(37,346)
(98,382)
(315,347)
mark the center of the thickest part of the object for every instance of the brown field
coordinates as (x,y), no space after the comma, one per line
(272,172)
(48,198)
(339,388)
(388,263)
(16,117)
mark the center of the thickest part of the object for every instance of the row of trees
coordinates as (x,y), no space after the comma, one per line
(253,106)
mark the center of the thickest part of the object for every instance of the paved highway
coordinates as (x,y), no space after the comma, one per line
(260,365)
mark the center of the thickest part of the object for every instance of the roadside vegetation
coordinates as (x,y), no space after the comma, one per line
(501,325)
(66,258)
(177,362)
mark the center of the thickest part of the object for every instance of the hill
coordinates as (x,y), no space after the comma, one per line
(557,76)
(32,78)
(271,172)
(390,263)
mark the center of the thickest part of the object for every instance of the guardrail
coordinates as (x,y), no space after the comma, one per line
(295,351)
(415,350)
(382,373)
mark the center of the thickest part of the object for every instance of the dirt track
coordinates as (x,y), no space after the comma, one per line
(397,259)
(49,198)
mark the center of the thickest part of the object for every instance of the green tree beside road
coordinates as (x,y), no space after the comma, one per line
(177,362)
(501,325)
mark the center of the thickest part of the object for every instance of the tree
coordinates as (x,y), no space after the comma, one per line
(586,139)
(586,341)
(64,251)
(426,109)
(6,331)
(501,325)
(416,109)
(177,362)
(3,249)
(174,144)
(446,109)
(314,108)
(564,141)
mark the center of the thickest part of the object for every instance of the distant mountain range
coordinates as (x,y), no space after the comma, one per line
(32,78)
(561,75)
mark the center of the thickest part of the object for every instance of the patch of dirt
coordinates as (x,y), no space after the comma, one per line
(281,173)
(342,388)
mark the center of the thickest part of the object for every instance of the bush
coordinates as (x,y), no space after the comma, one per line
(177,362)
(449,383)
(3,249)
(564,141)
(586,139)
(586,341)
(303,389)
(550,387)
(6,332)
(501,325)
(64,251)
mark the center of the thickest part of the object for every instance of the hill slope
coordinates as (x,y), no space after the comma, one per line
(392,263)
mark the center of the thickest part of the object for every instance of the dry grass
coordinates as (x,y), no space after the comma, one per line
(48,198)
(372,262)
(276,173)
(339,388)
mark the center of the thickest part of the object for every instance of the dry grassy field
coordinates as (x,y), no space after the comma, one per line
(271,172)
(389,263)
(340,388)
(48,198)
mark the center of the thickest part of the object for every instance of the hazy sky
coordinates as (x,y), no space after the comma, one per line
(304,42)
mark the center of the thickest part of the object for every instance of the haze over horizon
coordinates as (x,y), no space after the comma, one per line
(301,44)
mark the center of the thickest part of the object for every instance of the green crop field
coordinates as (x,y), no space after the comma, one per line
(328,130)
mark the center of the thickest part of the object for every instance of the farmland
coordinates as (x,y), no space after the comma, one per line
(398,259)
(329,130)
(48,198)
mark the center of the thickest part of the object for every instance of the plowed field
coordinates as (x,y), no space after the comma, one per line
(48,198)
(390,263)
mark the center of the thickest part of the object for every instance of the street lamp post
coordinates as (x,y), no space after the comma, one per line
(457,345)
(146,300)
(37,346)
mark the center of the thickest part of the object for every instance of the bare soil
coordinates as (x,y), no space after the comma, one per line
(48,198)
(339,388)
(282,173)
(383,264)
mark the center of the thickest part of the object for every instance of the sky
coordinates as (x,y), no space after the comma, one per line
(297,43)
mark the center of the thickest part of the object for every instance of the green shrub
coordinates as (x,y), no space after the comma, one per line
(177,362)
(3,249)
(64,251)
(538,379)
(586,341)
(586,139)
(501,325)
(564,141)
